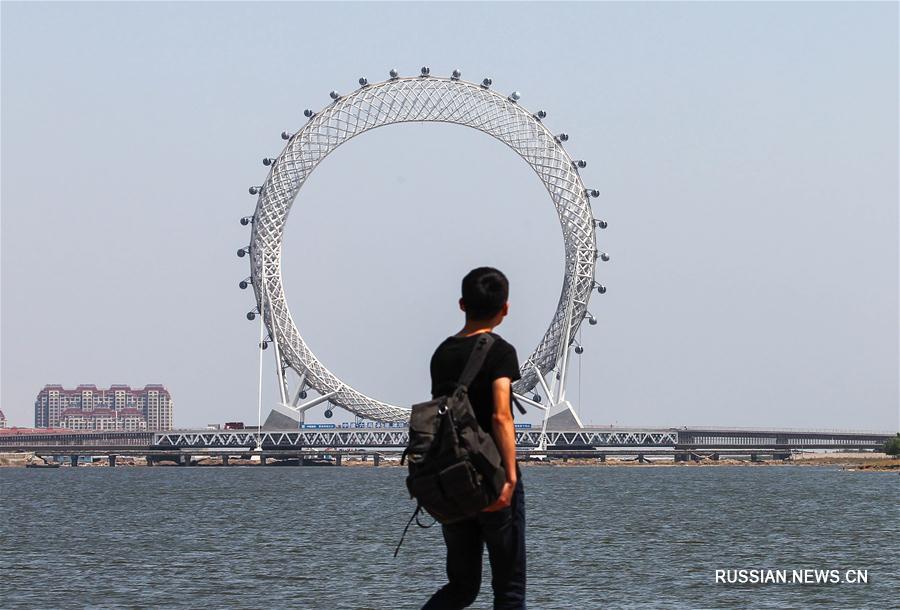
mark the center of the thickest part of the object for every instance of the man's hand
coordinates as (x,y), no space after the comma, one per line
(505,437)
(504,499)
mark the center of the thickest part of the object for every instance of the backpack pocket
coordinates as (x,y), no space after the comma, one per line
(462,486)
(425,488)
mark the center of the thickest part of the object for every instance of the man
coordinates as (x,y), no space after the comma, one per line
(501,526)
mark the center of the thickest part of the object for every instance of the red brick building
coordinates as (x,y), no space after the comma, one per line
(118,407)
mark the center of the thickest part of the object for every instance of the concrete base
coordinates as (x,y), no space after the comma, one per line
(282,418)
(566,419)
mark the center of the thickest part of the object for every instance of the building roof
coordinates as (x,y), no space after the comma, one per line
(157,387)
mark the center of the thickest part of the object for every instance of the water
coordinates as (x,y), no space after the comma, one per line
(322,538)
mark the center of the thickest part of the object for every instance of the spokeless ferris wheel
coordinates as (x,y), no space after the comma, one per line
(423,98)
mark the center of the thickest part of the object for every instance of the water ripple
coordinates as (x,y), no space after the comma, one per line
(323,538)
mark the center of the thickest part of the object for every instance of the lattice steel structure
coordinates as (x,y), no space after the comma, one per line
(421,99)
(398,438)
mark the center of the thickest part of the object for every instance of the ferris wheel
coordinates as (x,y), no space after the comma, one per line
(423,98)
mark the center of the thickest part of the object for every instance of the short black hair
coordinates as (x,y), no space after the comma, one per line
(485,291)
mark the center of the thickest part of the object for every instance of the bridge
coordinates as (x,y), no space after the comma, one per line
(596,442)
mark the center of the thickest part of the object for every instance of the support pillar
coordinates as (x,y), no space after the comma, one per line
(376,459)
(224,460)
(112,460)
(754,457)
(150,460)
(337,460)
(262,460)
(73,460)
(185,460)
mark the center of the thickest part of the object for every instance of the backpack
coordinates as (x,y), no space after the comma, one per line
(455,468)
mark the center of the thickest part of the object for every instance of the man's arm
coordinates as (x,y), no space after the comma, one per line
(505,436)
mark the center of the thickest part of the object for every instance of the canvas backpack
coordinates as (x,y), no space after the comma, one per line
(455,468)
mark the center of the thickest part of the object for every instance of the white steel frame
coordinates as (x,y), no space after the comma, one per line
(421,99)
(354,438)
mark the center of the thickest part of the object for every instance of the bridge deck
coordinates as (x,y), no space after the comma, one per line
(392,438)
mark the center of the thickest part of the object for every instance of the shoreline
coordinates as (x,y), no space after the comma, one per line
(874,462)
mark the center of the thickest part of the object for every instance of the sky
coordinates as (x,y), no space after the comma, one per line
(746,155)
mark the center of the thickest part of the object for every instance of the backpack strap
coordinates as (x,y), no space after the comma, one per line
(476,359)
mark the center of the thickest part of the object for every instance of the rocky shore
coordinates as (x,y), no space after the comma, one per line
(844,461)
(872,462)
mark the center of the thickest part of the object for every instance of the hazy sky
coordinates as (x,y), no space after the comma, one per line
(747,156)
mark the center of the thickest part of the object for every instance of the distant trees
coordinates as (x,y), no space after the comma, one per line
(892,445)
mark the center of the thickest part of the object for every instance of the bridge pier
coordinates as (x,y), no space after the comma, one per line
(224,460)
(262,460)
(185,460)
(337,459)
(376,459)
(112,459)
(73,461)
(754,457)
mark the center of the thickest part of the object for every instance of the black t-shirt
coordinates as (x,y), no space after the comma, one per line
(450,358)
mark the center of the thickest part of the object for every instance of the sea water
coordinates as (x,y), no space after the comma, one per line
(323,537)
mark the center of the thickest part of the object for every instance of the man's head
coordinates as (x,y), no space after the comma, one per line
(485,292)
